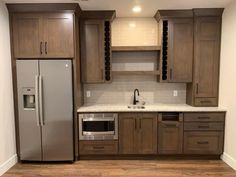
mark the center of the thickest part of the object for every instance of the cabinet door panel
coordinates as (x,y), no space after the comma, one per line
(92,53)
(147,133)
(180,52)
(58,35)
(127,134)
(207,48)
(27,35)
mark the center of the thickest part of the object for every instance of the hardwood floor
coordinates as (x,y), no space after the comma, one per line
(125,168)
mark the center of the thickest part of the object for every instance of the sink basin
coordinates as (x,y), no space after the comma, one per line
(136,107)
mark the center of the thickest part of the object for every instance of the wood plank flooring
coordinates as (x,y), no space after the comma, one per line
(125,168)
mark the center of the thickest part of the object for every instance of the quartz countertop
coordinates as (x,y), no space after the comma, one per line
(148,108)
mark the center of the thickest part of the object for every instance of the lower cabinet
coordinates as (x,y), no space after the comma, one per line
(98,147)
(193,133)
(170,133)
(204,133)
(138,133)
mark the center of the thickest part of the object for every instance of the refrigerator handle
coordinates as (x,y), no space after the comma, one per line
(37,99)
(41,100)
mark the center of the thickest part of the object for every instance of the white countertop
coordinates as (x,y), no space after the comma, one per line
(148,108)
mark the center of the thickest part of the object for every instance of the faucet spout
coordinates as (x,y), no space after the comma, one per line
(135,101)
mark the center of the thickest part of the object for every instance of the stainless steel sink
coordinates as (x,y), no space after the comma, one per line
(136,107)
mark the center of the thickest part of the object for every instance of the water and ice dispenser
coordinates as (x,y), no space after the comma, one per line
(29,98)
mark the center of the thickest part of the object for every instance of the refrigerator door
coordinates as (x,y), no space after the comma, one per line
(57,110)
(29,125)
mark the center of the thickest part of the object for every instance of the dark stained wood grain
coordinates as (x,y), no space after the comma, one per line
(125,168)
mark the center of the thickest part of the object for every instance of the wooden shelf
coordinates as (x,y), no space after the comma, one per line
(135,48)
(136,72)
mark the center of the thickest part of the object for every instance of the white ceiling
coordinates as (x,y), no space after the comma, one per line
(124,7)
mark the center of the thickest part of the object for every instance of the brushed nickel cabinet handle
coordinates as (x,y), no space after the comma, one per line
(140,124)
(135,122)
(171,73)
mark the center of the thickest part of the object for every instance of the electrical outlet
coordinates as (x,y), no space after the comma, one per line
(88,93)
(175,93)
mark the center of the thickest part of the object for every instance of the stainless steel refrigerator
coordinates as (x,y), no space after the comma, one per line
(45,106)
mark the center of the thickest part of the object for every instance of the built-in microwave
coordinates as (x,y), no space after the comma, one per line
(98,126)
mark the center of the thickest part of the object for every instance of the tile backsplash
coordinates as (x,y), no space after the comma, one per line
(134,32)
(120,91)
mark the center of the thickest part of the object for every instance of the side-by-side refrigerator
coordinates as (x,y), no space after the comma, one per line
(45,108)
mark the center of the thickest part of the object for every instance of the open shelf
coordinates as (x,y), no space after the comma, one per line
(135,48)
(136,72)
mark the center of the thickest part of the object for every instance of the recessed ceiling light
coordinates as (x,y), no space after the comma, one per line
(137,9)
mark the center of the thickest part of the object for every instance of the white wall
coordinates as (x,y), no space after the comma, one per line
(7,127)
(228,81)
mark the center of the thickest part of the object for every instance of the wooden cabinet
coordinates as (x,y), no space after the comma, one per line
(137,133)
(98,147)
(180,49)
(170,133)
(92,53)
(207,33)
(204,133)
(96,46)
(43,35)
(27,36)
(58,35)
(176,30)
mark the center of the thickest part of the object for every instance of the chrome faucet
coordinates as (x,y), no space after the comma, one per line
(135,101)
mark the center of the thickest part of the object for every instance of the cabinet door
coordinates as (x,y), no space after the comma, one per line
(207,53)
(170,133)
(128,134)
(180,49)
(58,35)
(92,51)
(27,39)
(147,132)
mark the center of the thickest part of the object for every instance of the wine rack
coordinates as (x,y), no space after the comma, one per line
(107,43)
(164,49)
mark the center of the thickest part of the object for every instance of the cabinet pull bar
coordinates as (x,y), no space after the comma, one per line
(204,117)
(197,88)
(46,48)
(203,126)
(135,124)
(170,73)
(202,142)
(98,147)
(140,125)
(41,48)
(205,101)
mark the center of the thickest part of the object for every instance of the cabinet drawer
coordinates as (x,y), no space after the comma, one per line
(203,142)
(203,126)
(98,147)
(206,102)
(204,117)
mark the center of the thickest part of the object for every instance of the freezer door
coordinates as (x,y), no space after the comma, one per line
(57,109)
(29,125)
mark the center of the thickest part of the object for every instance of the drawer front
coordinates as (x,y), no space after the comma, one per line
(98,147)
(218,126)
(203,143)
(204,117)
(206,102)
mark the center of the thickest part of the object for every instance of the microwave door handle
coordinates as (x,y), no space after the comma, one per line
(41,100)
(98,119)
(37,99)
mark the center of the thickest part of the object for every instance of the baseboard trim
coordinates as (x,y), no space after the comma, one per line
(8,164)
(229,160)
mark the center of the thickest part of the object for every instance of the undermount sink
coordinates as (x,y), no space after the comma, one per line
(136,107)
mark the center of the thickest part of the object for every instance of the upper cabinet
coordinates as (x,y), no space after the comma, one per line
(176,33)
(96,46)
(43,35)
(207,33)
